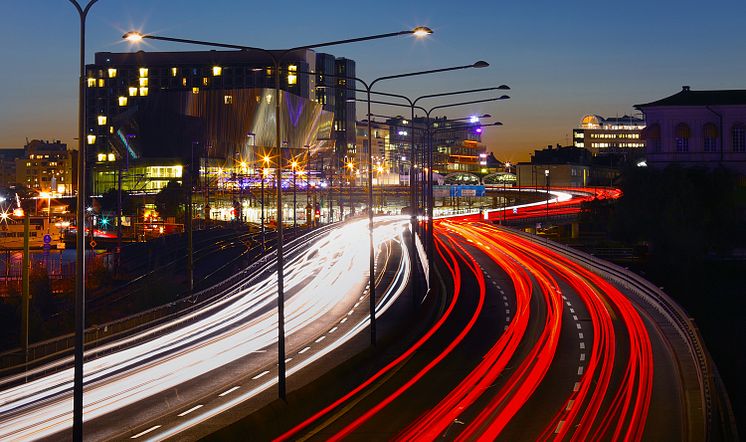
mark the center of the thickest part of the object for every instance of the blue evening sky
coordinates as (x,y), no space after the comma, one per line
(562,59)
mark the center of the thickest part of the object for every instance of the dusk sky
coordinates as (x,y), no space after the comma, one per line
(562,59)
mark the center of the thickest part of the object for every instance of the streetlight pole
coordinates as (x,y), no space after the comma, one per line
(505,198)
(277,58)
(265,162)
(546,178)
(80,237)
(412,104)
(293,169)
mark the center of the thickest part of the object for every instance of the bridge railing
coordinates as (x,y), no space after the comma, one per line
(654,298)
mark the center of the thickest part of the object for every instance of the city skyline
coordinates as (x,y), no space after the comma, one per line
(561,61)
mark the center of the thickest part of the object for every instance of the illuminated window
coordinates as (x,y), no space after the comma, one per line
(228,99)
(112,72)
(204,81)
(123,101)
(91,139)
(100,82)
(216,71)
(174,71)
(292,77)
(102,120)
(143,92)
(143,72)
(183,81)
(111,157)
(195,90)
(133,91)
(143,82)
(111,129)
(91,82)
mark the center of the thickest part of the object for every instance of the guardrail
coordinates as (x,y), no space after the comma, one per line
(98,335)
(660,302)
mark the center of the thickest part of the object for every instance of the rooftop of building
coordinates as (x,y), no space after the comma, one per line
(597,122)
(688,97)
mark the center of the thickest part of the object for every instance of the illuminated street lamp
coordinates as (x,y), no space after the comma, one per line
(277,57)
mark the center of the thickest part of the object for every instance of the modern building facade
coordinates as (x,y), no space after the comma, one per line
(614,135)
(120,84)
(47,167)
(697,128)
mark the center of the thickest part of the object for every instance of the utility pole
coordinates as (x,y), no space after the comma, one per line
(25,283)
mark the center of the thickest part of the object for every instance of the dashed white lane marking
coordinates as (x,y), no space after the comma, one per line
(350,312)
(569,404)
(333,329)
(576,387)
(559,427)
(507,311)
(507,319)
(578,325)
(229,391)
(320,339)
(343,320)
(582,345)
(260,374)
(304,350)
(580,335)
(575,317)
(288,360)
(506,303)
(572,310)
(580,370)
(184,413)
(582,356)
(154,427)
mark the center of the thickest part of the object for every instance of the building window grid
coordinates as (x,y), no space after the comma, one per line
(739,138)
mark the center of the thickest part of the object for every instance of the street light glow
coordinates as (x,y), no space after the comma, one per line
(421,31)
(133,36)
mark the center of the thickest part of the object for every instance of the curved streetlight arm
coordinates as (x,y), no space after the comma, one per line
(469,91)
(431,71)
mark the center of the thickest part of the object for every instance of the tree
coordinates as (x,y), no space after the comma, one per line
(169,201)
(109,202)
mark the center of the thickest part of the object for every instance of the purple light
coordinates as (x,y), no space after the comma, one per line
(479,130)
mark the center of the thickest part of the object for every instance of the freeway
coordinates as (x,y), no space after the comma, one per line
(170,378)
(530,345)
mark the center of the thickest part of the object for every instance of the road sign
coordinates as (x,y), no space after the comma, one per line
(93,244)
(47,238)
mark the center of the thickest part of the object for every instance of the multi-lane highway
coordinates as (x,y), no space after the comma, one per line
(530,345)
(175,376)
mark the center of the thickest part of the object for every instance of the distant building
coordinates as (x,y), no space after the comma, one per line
(8,157)
(47,167)
(697,128)
(618,135)
(567,166)
(384,155)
